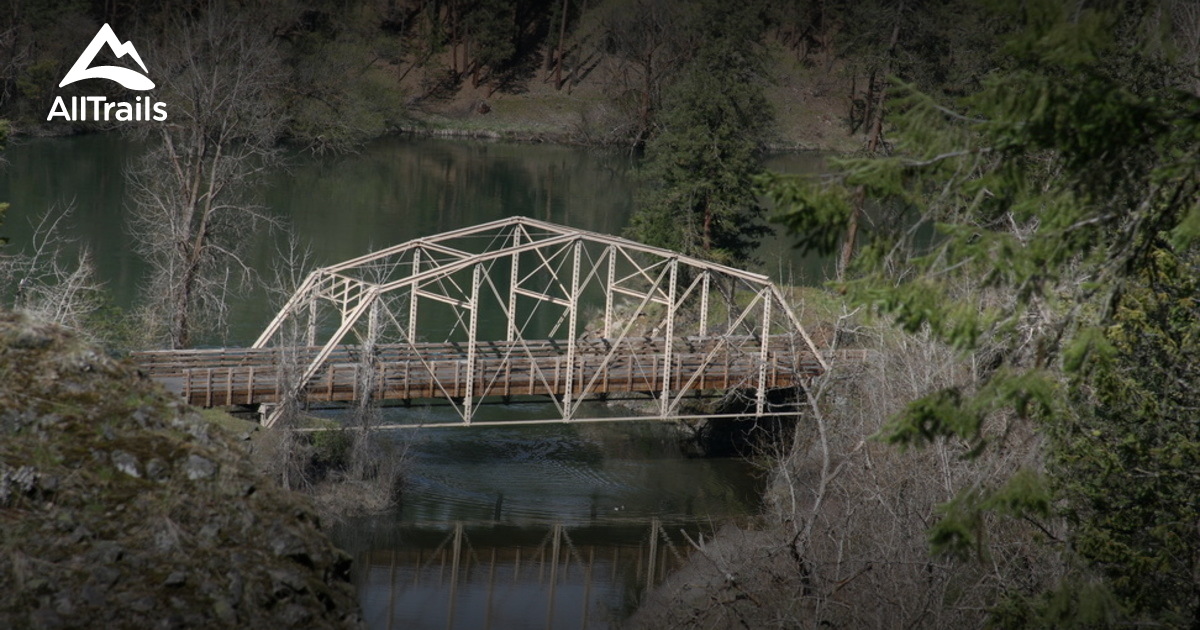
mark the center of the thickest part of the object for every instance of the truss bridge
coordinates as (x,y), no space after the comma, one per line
(513,310)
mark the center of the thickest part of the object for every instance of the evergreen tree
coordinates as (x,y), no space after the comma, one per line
(699,196)
(1042,217)
(490,24)
(1126,458)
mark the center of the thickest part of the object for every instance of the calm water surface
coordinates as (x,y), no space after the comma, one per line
(505,527)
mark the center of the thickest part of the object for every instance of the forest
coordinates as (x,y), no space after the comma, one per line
(1013,205)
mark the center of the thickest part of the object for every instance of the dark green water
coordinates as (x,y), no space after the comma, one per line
(613,496)
(392,191)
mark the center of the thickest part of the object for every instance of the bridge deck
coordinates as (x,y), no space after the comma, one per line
(247,376)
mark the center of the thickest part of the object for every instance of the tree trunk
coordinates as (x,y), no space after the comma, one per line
(647,85)
(453,16)
(851,233)
(708,219)
(874,140)
(181,334)
(562,35)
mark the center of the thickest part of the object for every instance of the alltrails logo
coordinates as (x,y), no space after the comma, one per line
(142,109)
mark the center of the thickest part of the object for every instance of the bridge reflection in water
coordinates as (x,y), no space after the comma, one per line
(465,575)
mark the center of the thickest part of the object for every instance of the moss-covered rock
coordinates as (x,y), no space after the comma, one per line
(119,507)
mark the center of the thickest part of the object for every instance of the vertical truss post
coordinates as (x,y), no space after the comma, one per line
(513,281)
(665,399)
(412,300)
(572,320)
(704,303)
(472,343)
(764,343)
(608,289)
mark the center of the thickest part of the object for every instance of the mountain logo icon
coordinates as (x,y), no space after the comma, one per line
(131,79)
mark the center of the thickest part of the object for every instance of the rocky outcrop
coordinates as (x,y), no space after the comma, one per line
(121,508)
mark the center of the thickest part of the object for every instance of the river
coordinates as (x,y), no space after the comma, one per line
(504,527)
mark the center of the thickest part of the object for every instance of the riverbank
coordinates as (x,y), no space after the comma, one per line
(319,463)
(811,105)
(123,508)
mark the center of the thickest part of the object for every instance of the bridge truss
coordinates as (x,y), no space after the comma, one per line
(498,293)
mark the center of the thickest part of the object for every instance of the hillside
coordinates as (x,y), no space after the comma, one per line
(122,508)
(810,106)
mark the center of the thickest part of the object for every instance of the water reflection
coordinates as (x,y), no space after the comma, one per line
(558,526)
(465,575)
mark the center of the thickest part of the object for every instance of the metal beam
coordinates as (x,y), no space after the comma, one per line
(571,328)
(611,250)
(544,298)
(638,294)
(514,283)
(761,398)
(472,344)
(672,306)
(414,295)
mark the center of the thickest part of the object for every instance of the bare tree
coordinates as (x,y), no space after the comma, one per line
(193,212)
(288,454)
(50,280)
(648,38)
(1185,18)
(844,538)
(375,462)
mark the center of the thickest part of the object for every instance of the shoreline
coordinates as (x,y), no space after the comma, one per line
(432,130)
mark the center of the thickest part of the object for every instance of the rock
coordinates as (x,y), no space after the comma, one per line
(209,532)
(15,482)
(141,417)
(287,545)
(94,597)
(294,615)
(28,339)
(126,463)
(106,552)
(198,468)
(156,469)
(142,604)
(64,606)
(236,587)
(45,619)
(176,579)
(223,610)
(79,534)
(284,581)
(105,576)
(47,484)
